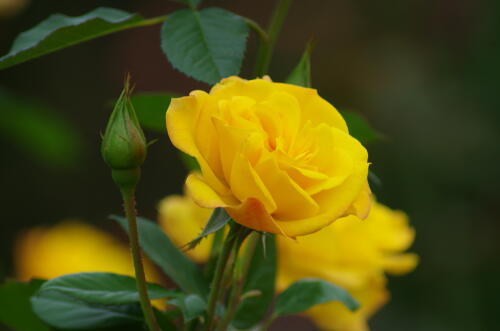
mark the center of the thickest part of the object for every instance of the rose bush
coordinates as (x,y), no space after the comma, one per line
(276,156)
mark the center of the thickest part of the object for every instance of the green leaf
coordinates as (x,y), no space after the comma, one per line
(151,109)
(165,254)
(60,31)
(307,293)
(64,311)
(217,221)
(190,162)
(16,310)
(39,131)
(261,277)
(191,306)
(102,288)
(301,74)
(207,45)
(359,128)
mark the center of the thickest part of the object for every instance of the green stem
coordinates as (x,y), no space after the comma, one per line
(153,21)
(131,214)
(214,252)
(258,29)
(266,49)
(218,280)
(237,289)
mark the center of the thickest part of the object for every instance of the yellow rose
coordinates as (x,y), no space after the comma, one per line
(276,156)
(182,220)
(69,247)
(353,254)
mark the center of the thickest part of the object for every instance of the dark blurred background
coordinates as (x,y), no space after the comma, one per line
(423,72)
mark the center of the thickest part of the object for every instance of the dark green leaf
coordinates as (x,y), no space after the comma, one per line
(165,254)
(307,293)
(191,306)
(301,74)
(65,311)
(359,128)
(151,109)
(102,287)
(207,45)
(261,277)
(190,162)
(60,31)
(217,221)
(39,131)
(15,306)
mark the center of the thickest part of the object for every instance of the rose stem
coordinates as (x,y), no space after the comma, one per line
(131,213)
(265,50)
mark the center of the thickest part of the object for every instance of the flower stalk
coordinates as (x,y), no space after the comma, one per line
(265,51)
(239,279)
(225,265)
(131,214)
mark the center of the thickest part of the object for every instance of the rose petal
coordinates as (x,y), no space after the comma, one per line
(314,108)
(333,204)
(233,139)
(292,201)
(362,205)
(252,213)
(202,193)
(245,183)
(181,121)
(400,264)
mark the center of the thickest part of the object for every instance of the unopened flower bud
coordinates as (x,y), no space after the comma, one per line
(124,146)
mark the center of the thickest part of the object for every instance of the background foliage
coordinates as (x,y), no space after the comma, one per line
(423,72)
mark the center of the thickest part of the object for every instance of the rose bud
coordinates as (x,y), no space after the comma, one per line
(124,146)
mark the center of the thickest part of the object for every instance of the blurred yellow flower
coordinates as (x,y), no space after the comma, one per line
(277,156)
(183,220)
(72,246)
(353,254)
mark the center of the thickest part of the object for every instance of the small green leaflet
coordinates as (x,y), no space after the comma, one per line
(189,162)
(301,74)
(207,45)
(60,31)
(217,221)
(307,293)
(359,128)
